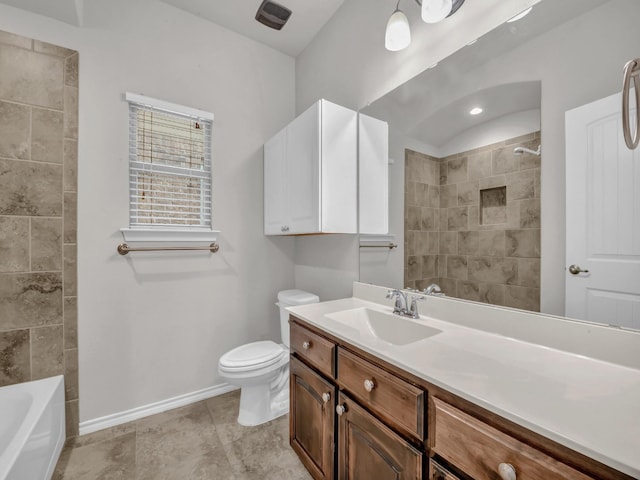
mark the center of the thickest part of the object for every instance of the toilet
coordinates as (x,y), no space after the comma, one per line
(261,369)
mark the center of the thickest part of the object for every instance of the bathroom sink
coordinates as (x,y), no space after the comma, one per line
(391,328)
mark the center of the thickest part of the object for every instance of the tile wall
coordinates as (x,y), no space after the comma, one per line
(38,202)
(475,227)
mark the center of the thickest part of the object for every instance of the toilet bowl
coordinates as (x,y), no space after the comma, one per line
(261,369)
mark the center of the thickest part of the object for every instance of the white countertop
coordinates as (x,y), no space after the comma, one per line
(589,405)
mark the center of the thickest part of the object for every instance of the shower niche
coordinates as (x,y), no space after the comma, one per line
(493,206)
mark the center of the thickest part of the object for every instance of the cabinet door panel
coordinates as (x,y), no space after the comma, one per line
(303,167)
(311,429)
(275,185)
(368,449)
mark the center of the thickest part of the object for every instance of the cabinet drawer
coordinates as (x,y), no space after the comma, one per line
(438,472)
(394,399)
(478,449)
(313,348)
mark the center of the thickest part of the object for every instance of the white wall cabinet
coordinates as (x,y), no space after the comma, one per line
(311,173)
(373,172)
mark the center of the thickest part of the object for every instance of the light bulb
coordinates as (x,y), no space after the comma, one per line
(398,33)
(433,11)
(475,111)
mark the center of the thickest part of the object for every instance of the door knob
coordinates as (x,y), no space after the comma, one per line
(575,270)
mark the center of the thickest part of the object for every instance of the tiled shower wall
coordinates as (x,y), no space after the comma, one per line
(487,220)
(38,180)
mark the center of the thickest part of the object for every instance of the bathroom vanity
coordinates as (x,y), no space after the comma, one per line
(377,396)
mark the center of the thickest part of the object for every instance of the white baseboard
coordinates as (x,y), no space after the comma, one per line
(93,425)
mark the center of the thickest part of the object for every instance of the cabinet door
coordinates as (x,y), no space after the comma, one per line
(370,450)
(373,172)
(312,417)
(303,170)
(276,216)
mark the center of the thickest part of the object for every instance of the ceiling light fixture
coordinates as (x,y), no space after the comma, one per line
(475,111)
(398,34)
(519,16)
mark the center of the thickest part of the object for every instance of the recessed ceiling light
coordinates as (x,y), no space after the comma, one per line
(475,111)
(522,14)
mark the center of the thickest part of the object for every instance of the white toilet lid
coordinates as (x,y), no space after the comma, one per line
(256,354)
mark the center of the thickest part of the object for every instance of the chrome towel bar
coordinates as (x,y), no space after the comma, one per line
(631,70)
(123,248)
(390,246)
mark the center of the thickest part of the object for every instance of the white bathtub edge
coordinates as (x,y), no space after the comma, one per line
(100,423)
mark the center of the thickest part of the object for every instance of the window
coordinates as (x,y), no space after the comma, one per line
(169,166)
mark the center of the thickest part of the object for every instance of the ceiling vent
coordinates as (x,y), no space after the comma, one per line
(273,15)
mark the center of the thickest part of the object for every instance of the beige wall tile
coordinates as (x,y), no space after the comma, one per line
(481,243)
(527,161)
(30,299)
(46,135)
(479,165)
(30,188)
(536,182)
(457,267)
(492,182)
(50,49)
(71,112)
(409,190)
(70,217)
(457,218)
(522,243)
(71,374)
(70,271)
(413,218)
(15,40)
(520,185)
(448,243)
(522,297)
(46,244)
(14,130)
(14,245)
(410,243)
(71,70)
(72,418)
(413,268)
(31,78)
(70,323)
(503,160)
(530,213)
(443,173)
(70,170)
(449,196)
(430,266)
(457,170)
(449,286)
(468,193)
(47,358)
(529,272)
(469,290)
(493,206)
(15,366)
(421,194)
(429,219)
(493,269)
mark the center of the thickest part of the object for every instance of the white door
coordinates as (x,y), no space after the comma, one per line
(603,217)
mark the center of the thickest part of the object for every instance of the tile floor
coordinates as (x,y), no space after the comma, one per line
(199,441)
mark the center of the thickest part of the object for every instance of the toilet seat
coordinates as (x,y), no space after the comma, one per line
(252,356)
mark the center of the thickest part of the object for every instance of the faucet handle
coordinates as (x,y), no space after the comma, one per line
(391,293)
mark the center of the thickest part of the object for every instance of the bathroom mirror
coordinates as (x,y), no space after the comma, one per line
(477,202)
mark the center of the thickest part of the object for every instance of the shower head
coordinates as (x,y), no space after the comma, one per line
(521,150)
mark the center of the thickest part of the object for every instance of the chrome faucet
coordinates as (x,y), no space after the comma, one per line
(402,306)
(434,289)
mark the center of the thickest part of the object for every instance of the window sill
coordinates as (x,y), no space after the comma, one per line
(169,235)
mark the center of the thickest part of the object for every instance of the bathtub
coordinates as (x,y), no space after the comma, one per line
(32,429)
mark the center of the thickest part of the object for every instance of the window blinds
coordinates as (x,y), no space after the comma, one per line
(169,166)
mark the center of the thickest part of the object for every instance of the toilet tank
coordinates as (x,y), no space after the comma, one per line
(290,298)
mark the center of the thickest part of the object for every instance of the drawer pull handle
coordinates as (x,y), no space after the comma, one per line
(306,345)
(369,385)
(326,397)
(506,471)
(340,409)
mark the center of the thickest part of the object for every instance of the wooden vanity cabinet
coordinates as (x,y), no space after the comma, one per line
(312,419)
(369,450)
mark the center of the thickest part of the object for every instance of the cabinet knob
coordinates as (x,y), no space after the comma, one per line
(306,345)
(369,385)
(506,471)
(340,409)
(326,397)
